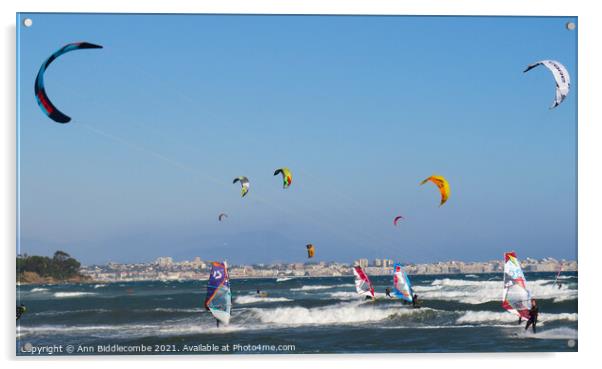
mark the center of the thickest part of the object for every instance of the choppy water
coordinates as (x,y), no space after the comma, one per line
(460,313)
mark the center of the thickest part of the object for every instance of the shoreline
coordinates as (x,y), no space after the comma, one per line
(56,283)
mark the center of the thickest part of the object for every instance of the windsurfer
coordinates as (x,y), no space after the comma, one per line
(533,312)
(415,303)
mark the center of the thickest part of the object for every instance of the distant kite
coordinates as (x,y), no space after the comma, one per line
(442,184)
(222,216)
(287,176)
(397,218)
(244,183)
(310,250)
(561,76)
(40,90)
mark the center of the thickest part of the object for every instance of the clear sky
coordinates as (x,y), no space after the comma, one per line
(360,108)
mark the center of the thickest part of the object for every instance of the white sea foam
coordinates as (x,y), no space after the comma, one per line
(39,290)
(170,328)
(564,277)
(477,292)
(60,295)
(332,314)
(562,333)
(344,295)
(284,279)
(99,285)
(176,310)
(492,316)
(65,312)
(257,299)
(471,276)
(312,288)
(447,326)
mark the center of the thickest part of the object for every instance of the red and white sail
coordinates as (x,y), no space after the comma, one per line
(362,282)
(517,298)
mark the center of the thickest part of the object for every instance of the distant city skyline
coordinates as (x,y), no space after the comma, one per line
(166,269)
(360,108)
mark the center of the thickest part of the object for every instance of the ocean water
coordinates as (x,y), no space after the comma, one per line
(460,313)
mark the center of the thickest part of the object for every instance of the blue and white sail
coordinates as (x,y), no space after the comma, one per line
(402,287)
(219,297)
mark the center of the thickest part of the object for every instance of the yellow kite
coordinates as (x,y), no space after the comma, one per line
(443,185)
(310,250)
(287,176)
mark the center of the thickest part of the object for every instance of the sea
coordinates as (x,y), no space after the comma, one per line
(302,315)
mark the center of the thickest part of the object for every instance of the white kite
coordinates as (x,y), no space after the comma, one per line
(561,75)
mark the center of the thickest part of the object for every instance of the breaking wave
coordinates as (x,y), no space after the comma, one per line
(478,292)
(563,333)
(332,314)
(60,295)
(491,316)
(312,288)
(128,330)
(39,290)
(257,299)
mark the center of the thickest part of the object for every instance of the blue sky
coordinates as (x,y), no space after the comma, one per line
(361,109)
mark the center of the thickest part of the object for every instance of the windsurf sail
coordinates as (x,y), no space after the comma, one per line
(517,298)
(402,287)
(362,282)
(219,297)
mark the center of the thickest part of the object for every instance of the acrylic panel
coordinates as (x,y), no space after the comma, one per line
(292,184)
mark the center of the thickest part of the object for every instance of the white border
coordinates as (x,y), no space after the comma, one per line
(590,180)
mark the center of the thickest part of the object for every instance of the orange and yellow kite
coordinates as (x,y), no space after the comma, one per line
(443,185)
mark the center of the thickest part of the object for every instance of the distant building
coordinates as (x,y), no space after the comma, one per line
(378,263)
(387,263)
(164,261)
(362,262)
(198,263)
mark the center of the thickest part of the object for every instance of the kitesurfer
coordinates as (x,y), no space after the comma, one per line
(415,303)
(559,285)
(388,292)
(533,312)
(21,309)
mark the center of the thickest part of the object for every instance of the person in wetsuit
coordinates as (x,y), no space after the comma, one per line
(388,292)
(533,312)
(21,309)
(415,301)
